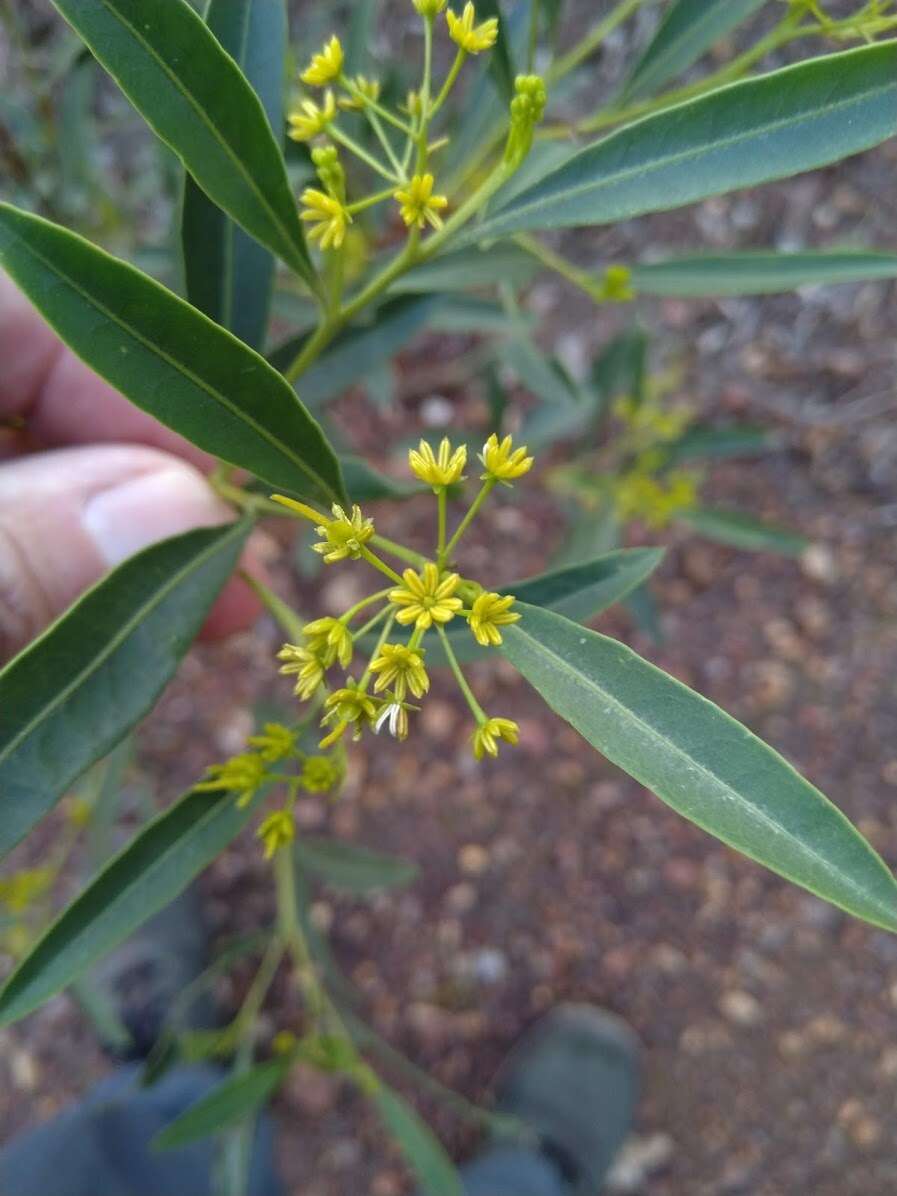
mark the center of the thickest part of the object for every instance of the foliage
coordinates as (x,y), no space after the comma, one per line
(419,200)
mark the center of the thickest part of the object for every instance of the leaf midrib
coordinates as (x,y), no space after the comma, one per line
(204,119)
(652,732)
(217,395)
(686,155)
(117,639)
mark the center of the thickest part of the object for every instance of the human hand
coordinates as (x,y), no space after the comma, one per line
(86,481)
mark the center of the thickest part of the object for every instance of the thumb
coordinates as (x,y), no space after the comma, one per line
(67,517)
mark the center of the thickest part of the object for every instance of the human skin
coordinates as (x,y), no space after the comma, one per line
(86,480)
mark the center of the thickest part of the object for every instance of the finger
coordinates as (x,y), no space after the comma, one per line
(61,400)
(67,517)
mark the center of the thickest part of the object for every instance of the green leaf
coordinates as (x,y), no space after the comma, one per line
(77,689)
(166,357)
(704,764)
(771,127)
(359,349)
(469,269)
(541,375)
(689,28)
(225,1105)
(427,1159)
(350,867)
(580,592)
(622,367)
(366,484)
(194,96)
(743,531)
(752,273)
(501,62)
(229,275)
(735,440)
(149,873)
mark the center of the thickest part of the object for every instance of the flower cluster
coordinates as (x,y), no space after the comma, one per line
(429,597)
(274,749)
(412,184)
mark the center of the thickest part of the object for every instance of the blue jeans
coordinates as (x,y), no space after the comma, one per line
(100,1147)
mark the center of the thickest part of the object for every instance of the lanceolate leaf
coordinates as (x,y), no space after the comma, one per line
(151,871)
(701,762)
(424,1154)
(350,867)
(230,1102)
(581,592)
(193,94)
(73,693)
(689,28)
(760,273)
(166,357)
(229,275)
(501,62)
(469,269)
(750,132)
(743,531)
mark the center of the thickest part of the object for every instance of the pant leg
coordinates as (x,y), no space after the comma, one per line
(512,1171)
(101,1146)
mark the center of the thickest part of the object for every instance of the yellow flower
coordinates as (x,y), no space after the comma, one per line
(305,665)
(326,66)
(429,8)
(344,535)
(489,612)
(402,668)
(501,462)
(656,502)
(275,743)
(426,598)
(616,286)
(470,37)
(330,639)
(366,89)
(243,775)
(276,831)
(309,119)
(23,888)
(487,735)
(443,469)
(396,714)
(344,706)
(418,204)
(320,774)
(328,216)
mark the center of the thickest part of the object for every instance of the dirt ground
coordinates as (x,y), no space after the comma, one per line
(768,1018)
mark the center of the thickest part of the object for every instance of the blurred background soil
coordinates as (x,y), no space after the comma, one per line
(768,1018)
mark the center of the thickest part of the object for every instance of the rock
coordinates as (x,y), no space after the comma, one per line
(473,859)
(639,1159)
(742,1008)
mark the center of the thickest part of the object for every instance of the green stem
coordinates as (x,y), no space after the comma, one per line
(399,550)
(372,623)
(288,620)
(441,499)
(786,31)
(380,132)
(244,1022)
(388,116)
(381,640)
(360,152)
(478,711)
(587,46)
(333,324)
(373,559)
(362,205)
(292,935)
(487,488)
(449,83)
(467,211)
(353,610)
(554,261)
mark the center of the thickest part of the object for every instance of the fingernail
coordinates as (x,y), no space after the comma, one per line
(149,508)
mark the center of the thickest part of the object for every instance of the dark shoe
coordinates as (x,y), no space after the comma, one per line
(574,1079)
(139,981)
